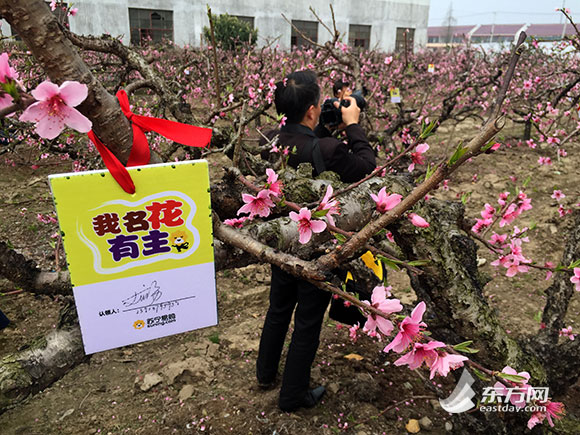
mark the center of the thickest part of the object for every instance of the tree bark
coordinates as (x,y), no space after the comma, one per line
(43,35)
(453,290)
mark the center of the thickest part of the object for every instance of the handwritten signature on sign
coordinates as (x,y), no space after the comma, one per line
(149,295)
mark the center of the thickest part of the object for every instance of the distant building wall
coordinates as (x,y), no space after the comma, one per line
(96,17)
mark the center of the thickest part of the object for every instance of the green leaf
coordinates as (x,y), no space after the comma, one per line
(459,152)
(527,181)
(465,197)
(574,264)
(461,345)
(340,237)
(389,263)
(514,378)
(480,374)
(381,232)
(418,263)
(427,129)
(538,316)
(319,213)
(464,347)
(488,145)
(430,171)
(11,89)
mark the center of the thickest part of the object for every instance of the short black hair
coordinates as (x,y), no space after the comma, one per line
(337,87)
(296,94)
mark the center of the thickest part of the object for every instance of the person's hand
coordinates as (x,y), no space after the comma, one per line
(350,114)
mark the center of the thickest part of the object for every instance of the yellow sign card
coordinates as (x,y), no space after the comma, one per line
(130,255)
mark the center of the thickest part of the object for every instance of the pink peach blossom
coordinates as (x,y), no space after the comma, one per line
(553,409)
(558,195)
(307,226)
(331,206)
(517,399)
(236,222)
(384,201)
(257,205)
(445,362)
(7,73)
(409,329)
(576,278)
(418,221)
(273,186)
(421,352)
(417,157)
(55,109)
(380,302)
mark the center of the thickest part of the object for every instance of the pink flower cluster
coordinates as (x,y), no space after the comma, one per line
(409,334)
(515,262)
(260,204)
(409,337)
(520,391)
(517,399)
(388,306)
(7,75)
(489,214)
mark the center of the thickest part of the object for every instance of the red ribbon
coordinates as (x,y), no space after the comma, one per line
(140,154)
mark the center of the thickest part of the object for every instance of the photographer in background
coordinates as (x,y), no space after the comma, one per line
(298,98)
(299,101)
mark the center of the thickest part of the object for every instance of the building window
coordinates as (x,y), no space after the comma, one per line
(405,39)
(244,19)
(308,28)
(359,36)
(148,25)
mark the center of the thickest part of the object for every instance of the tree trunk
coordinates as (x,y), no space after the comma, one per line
(42,362)
(453,289)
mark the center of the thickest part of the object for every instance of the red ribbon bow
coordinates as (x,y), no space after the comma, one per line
(140,154)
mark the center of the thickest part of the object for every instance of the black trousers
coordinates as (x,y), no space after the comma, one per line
(287,293)
(3,320)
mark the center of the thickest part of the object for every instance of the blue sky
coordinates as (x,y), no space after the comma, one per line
(501,11)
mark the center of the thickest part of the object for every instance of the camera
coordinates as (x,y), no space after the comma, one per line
(332,116)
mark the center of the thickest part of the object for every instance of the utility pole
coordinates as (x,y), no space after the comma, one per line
(492,28)
(562,18)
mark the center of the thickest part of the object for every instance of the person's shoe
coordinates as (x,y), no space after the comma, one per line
(266,386)
(310,400)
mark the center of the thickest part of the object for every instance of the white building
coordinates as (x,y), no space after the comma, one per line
(382,24)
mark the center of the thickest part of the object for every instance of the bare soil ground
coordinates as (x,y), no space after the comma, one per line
(204,380)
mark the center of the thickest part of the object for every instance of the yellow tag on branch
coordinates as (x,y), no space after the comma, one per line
(371,262)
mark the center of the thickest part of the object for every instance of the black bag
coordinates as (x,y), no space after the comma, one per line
(348,315)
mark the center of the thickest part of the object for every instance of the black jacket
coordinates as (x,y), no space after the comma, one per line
(352,161)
